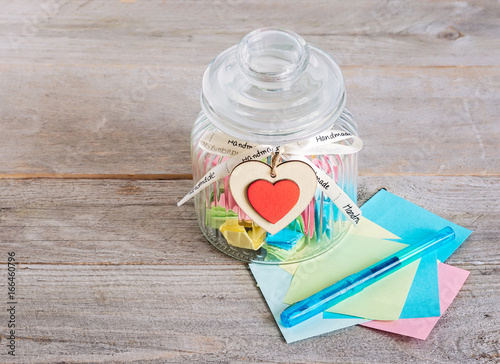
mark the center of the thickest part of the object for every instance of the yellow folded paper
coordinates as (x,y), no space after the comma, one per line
(383,300)
(247,238)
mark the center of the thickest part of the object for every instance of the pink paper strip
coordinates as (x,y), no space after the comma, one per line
(451,279)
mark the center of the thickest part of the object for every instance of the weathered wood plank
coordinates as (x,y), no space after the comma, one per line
(138,222)
(137,120)
(112,271)
(178,32)
(194,313)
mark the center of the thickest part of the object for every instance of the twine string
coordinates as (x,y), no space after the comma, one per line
(274,161)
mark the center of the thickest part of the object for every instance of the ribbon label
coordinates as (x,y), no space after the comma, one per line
(329,142)
(258,155)
(222,144)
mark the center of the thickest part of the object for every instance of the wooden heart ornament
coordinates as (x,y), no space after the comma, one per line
(273,202)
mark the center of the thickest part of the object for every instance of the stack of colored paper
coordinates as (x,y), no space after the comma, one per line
(408,302)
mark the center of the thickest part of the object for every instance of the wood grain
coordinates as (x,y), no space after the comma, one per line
(358,32)
(138,222)
(139,66)
(113,272)
(193,313)
(140,119)
(98,100)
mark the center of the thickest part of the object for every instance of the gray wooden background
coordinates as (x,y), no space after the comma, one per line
(97,99)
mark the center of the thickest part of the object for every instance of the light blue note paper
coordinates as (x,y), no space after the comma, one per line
(274,282)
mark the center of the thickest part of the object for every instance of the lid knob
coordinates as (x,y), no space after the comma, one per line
(272,58)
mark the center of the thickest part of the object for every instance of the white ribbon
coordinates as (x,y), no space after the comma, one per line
(216,142)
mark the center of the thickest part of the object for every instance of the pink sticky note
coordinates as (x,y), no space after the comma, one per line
(451,279)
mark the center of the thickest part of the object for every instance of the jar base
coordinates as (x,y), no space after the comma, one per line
(305,249)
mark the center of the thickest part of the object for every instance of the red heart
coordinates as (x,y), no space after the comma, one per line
(273,201)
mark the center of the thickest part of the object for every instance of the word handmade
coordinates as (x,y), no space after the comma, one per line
(332,136)
(207,178)
(348,211)
(259,154)
(322,183)
(237,143)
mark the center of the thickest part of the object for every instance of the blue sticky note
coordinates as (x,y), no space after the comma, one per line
(413,223)
(423,298)
(409,221)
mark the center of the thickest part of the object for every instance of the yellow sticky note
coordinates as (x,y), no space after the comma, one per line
(384,300)
(367,227)
(290,268)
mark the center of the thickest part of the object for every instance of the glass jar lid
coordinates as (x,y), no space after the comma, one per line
(273,87)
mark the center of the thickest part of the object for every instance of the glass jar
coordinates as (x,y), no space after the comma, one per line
(273,88)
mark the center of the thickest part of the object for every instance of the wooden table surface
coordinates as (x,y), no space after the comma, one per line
(97,101)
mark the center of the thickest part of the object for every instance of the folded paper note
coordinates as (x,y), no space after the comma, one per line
(237,235)
(451,279)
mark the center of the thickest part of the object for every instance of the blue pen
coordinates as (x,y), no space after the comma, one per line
(349,286)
